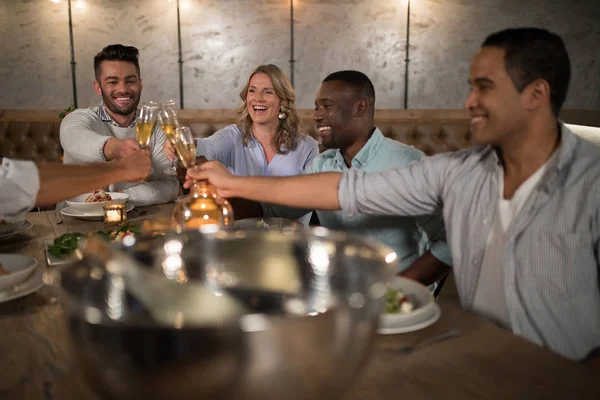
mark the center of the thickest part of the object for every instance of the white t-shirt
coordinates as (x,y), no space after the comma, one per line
(490,297)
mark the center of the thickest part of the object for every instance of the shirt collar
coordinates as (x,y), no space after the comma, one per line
(367,153)
(104,116)
(564,154)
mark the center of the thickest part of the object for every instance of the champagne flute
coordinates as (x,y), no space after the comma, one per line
(185,146)
(145,123)
(167,118)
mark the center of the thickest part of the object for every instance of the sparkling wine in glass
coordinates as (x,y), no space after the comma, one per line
(145,122)
(167,118)
(185,146)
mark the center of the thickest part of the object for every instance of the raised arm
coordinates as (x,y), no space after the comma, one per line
(317,191)
(23,184)
(80,139)
(162,185)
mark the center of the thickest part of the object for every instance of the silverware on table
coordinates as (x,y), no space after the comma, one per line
(59,219)
(419,343)
(140,211)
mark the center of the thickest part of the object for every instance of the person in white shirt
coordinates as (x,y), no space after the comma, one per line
(107,132)
(23,184)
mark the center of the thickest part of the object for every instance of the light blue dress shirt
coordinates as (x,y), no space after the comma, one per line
(410,237)
(227,146)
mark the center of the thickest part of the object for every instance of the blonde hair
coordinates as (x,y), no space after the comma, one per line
(288,135)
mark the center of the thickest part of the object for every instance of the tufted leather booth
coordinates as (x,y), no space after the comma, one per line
(432,131)
(34,134)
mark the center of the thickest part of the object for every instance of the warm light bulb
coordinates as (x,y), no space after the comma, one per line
(185,4)
(55,1)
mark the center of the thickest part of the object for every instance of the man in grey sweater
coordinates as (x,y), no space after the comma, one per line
(107,132)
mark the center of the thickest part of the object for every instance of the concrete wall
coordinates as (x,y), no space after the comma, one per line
(223,40)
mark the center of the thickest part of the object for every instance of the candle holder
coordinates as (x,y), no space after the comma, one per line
(115,214)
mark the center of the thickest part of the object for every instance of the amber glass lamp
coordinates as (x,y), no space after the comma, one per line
(203,206)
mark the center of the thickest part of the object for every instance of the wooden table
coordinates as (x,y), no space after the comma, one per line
(485,362)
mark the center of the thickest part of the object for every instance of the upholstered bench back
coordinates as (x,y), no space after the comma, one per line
(34,134)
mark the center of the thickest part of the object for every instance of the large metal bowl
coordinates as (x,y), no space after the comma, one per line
(313,297)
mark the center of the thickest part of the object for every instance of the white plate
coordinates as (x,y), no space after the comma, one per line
(426,311)
(19,268)
(25,226)
(32,284)
(428,318)
(79,203)
(92,216)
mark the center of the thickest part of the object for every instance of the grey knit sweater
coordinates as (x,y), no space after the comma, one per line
(83,135)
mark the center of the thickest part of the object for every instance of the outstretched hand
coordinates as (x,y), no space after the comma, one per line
(136,167)
(216,174)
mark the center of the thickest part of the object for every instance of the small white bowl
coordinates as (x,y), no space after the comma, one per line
(19,268)
(419,295)
(79,203)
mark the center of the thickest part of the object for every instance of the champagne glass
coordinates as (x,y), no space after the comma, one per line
(203,207)
(167,118)
(185,146)
(145,122)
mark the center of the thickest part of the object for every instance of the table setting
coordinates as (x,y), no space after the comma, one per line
(299,311)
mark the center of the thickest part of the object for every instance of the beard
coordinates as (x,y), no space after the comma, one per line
(115,108)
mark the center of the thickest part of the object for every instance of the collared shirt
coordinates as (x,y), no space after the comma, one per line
(19,186)
(104,116)
(551,277)
(410,237)
(227,146)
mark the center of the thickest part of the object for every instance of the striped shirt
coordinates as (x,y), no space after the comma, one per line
(104,116)
(551,273)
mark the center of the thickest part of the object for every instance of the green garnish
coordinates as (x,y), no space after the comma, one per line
(66,244)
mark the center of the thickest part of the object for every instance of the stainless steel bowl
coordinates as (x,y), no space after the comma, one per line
(313,302)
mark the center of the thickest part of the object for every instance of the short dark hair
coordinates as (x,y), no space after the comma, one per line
(359,82)
(117,52)
(534,53)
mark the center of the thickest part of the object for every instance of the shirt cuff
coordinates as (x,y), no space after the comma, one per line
(441,251)
(24,177)
(102,155)
(200,151)
(346,192)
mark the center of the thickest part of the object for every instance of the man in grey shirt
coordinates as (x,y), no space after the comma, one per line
(107,132)
(545,275)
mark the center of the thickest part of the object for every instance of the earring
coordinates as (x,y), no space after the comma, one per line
(282,115)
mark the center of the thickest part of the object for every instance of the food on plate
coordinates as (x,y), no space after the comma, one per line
(66,244)
(2,222)
(396,302)
(3,271)
(262,224)
(98,196)
(117,236)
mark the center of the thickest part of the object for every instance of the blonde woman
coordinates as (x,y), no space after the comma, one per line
(267,140)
